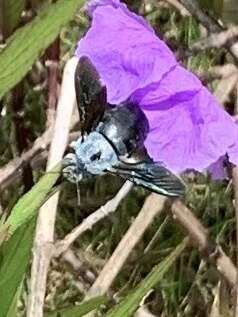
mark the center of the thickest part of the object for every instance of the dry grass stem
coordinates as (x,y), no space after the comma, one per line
(183,11)
(36,156)
(199,236)
(216,40)
(13,169)
(143,312)
(215,309)
(152,207)
(210,23)
(42,250)
(225,86)
(95,217)
(195,10)
(217,72)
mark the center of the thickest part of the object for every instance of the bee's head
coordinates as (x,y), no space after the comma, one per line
(72,169)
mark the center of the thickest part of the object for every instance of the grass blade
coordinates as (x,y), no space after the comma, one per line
(15,254)
(27,205)
(30,41)
(80,310)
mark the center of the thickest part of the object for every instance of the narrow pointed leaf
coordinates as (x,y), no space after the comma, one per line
(30,41)
(14,259)
(28,205)
(79,310)
(12,312)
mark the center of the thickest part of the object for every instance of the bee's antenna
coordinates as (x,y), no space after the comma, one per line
(78,193)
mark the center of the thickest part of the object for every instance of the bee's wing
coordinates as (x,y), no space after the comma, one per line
(91,95)
(151,176)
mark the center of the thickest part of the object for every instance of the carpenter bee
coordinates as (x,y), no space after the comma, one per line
(112,139)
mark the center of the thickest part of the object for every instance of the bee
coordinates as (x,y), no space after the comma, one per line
(112,139)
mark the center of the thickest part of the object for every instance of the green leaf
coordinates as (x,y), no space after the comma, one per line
(12,312)
(27,205)
(10,15)
(79,310)
(15,254)
(129,305)
(30,41)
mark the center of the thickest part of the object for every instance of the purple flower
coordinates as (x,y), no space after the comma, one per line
(188,128)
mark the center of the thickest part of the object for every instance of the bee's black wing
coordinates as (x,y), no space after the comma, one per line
(152,176)
(91,95)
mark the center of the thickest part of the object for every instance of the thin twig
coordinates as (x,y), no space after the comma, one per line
(217,72)
(223,71)
(13,169)
(102,212)
(225,86)
(228,75)
(43,246)
(183,11)
(211,24)
(40,160)
(216,40)
(216,305)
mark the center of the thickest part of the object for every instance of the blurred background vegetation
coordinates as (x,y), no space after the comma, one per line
(192,286)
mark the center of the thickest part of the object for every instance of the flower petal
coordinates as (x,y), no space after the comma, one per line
(92,5)
(188,128)
(217,169)
(125,51)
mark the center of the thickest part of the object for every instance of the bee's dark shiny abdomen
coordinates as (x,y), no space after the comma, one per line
(125,127)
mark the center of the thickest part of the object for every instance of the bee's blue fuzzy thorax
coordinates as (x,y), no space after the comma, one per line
(93,156)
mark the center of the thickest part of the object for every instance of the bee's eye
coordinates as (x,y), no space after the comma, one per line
(70,150)
(96,156)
